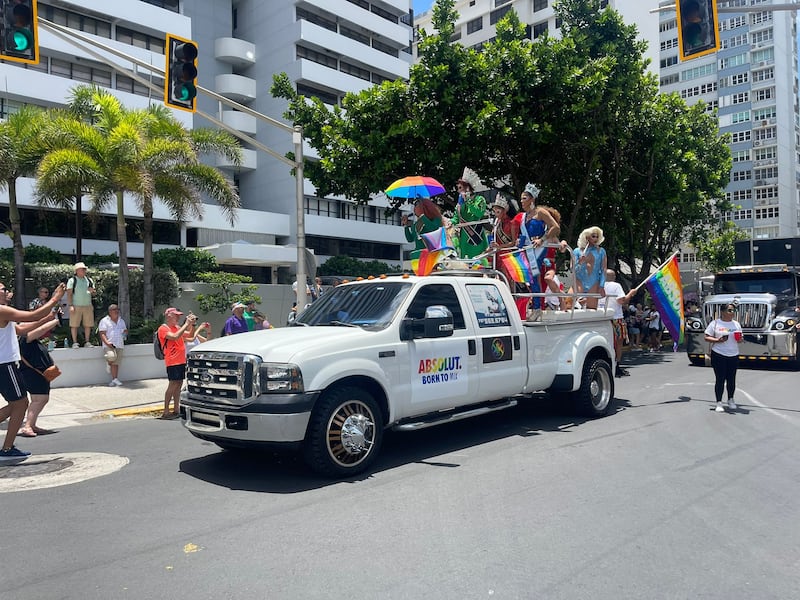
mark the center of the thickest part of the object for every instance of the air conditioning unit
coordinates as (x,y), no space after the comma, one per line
(757,143)
(760,182)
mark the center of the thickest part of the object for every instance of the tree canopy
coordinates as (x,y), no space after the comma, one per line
(580,116)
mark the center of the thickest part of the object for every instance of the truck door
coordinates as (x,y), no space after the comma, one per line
(502,369)
(442,371)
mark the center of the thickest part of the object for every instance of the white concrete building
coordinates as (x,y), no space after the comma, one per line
(477,20)
(328,47)
(752,82)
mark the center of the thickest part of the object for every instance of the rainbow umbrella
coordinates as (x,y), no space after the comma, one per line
(415,186)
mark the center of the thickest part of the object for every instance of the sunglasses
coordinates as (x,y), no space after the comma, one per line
(729,310)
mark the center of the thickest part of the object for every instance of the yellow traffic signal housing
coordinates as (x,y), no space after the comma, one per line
(19,36)
(698,28)
(180,84)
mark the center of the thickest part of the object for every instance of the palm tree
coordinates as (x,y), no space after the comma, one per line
(108,150)
(181,180)
(108,157)
(20,152)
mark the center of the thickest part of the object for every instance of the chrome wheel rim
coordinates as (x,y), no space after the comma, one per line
(351,433)
(600,389)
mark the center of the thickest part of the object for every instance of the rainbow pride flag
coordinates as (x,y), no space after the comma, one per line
(666,291)
(517,266)
(435,240)
(427,260)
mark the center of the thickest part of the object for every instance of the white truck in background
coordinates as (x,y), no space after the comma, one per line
(399,352)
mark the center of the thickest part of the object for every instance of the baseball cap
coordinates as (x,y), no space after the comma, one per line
(172,311)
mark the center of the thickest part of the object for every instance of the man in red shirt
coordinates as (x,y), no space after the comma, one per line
(171,337)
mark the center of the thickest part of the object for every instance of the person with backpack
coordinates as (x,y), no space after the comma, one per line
(170,338)
(80,291)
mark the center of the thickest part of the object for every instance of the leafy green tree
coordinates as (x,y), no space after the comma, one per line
(345,265)
(186,262)
(716,250)
(228,288)
(33,254)
(20,152)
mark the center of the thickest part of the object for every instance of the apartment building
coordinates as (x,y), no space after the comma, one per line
(327,47)
(752,84)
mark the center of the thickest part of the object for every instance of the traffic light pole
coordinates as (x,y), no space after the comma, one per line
(70,36)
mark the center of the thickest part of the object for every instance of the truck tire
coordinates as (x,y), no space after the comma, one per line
(595,396)
(345,432)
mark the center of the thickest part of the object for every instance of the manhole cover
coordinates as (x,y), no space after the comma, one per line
(52,470)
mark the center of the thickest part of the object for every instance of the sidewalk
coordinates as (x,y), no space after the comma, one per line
(78,405)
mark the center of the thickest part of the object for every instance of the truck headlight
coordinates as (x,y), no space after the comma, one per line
(696,325)
(277,377)
(779,325)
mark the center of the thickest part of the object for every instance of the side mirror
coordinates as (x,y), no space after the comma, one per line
(438,322)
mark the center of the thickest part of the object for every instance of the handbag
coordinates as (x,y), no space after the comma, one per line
(50,373)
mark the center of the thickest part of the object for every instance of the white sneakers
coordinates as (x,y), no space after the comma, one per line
(114,383)
(732,404)
(76,345)
(719,407)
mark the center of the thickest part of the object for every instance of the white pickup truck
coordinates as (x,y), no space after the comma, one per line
(401,352)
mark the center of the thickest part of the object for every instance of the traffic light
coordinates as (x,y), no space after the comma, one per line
(698,28)
(180,86)
(20,40)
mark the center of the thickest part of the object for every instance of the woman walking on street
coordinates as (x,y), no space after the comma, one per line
(724,336)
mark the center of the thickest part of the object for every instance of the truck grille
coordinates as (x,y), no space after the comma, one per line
(749,315)
(222,377)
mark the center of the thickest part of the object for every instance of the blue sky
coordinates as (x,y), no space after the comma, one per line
(422,5)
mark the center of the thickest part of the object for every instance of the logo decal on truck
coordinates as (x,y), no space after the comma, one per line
(496,349)
(439,370)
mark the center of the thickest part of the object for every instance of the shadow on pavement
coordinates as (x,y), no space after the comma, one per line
(255,471)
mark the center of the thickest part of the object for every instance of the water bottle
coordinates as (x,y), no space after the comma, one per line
(66,343)
(51,345)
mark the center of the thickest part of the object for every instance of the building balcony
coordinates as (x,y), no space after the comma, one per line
(249,162)
(234,51)
(236,87)
(240,121)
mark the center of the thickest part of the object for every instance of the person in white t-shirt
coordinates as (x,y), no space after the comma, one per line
(724,336)
(615,300)
(113,331)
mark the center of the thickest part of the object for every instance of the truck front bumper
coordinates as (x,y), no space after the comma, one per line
(268,420)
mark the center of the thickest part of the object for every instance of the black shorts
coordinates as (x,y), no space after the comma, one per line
(35,383)
(12,386)
(176,372)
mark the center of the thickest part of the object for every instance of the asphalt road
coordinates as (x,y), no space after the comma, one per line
(663,499)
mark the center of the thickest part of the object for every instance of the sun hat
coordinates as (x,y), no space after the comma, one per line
(110,355)
(80,265)
(172,311)
(237,305)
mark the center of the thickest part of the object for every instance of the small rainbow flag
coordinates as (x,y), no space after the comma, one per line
(667,292)
(435,240)
(517,266)
(427,260)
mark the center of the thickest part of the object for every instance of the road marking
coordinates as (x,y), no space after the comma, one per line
(52,470)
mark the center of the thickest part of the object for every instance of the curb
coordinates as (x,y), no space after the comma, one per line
(138,411)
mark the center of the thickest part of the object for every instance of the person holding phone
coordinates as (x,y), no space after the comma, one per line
(724,336)
(172,338)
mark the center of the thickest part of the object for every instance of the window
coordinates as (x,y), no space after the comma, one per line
(305,15)
(733,61)
(668,44)
(740,136)
(698,72)
(769,212)
(667,25)
(539,29)
(758,56)
(740,155)
(313,92)
(670,79)
(766,193)
(762,17)
(765,35)
(140,40)
(354,35)
(733,23)
(733,42)
(433,294)
(498,14)
(764,75)
(317,57)
(766,173)
(741,175)
(762,114)
(75,20)
(765,94)
(740,98)
(539,5)
(740,78)
(487,305)
(766,153)
(669,61)
(739,196)
(740,117)
(739,215)
(475,25)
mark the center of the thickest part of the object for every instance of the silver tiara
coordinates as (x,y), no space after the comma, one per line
(532,189)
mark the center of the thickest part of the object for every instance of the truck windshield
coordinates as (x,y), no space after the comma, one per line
(371,306)
(779,284)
